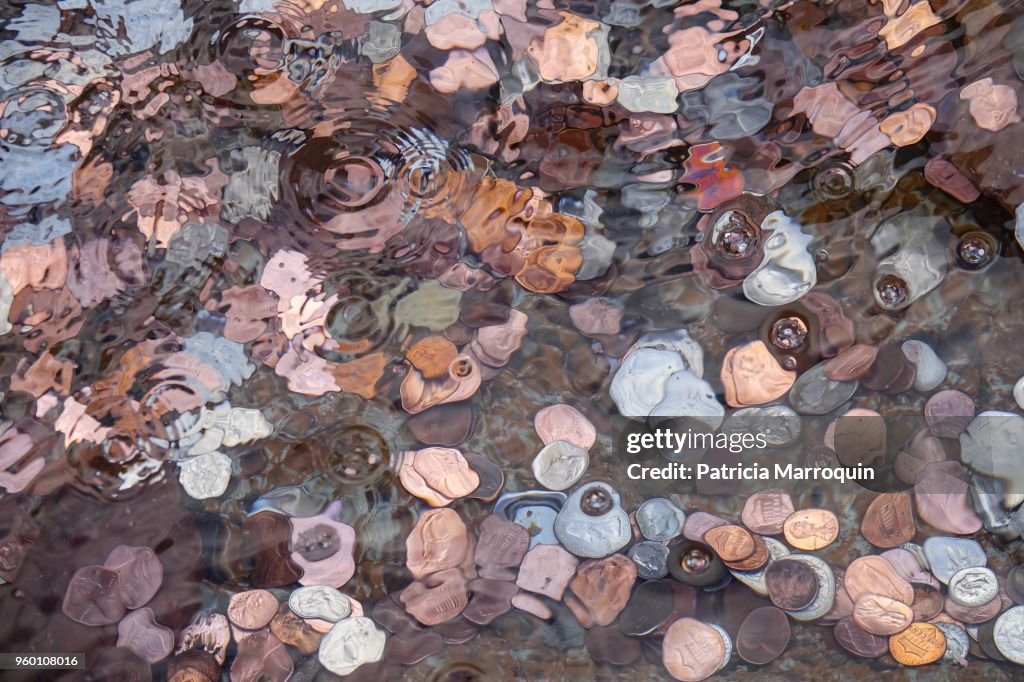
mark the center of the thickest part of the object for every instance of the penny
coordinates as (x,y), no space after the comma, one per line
(532,605)
(492,478)
(698,523)
(602,587)
(140,632)
(547,570)
(842,607)
(766,512)
(881,615)
(692,651)
(973,614)
(973,586)
(191,666)
(874,575)
(609,645)
(320,602)
(351,643)
(957,643)
(560,465)
(268,533)
(648,608)
(948,413)
(752,376)
(927,602)
(731,543)
(439,541)
(490,599)
(851,364)
(907,566)
(891,371)
(919,644)
(93,597)
(947,177)
(564,423)
(1015,584)
(946,556)
(447,425)
(139,573)
(889,521)
(940,494)
(859,641)
(261,656)
(923,450)
(446,471)
(500,548)
(660,520)
(754,579)
(757,559)
(412,647)
(432,356)
(317,536)
(811,529)
(1008,634)
(763,636)
(791,584)
(436,598)
(252,609)
(294,631)
(207,631)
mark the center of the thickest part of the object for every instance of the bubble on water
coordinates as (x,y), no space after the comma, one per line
(789,333)
(976,250)
(891,292)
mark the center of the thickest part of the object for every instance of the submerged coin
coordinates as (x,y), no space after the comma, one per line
(564,423)
(973,586)
(252,609)
(755,579)
(731,543)
(140,632)
(92,597)
(560,465)
(766,512)
(792,585)
(811,529)
(874,575)
(351,643)
(591,523)
(438,541)
(881,615)
(321,602)
(692,650)
(889,521)
(947,555)
(651,559)
(660,520)
(859,641)
(927,602)
(826,596)
(763,636)
(1008,634)
(919,644)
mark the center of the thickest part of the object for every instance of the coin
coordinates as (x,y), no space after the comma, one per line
(603,587)
(755,579)
(438,541)
(957,642)
(757,559)
(927,601)
(811,529)
(763,635)
(648,608)
(651,559)
(874,575)
(973,614)
(948,413)
(500,548)
(752,376)
(859,641)
(446,471)
(919,644)
(351,643)
(660,520)
(610,645)
(1015,584)
(698,523)
(731,543)
(560,465)
(946,556)
(140,632)
(973,586)
(881,615)
(252,609)
(889,521)
(791,584)
(1009,634)
(766,512)
(436,598)
(826,597)
(564,423)
(727,641)
(547,570)
(692,651)
(940,494)
(852,363)
(320,602)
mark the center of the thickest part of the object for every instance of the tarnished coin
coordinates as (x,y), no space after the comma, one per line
(648,608)
(918,644)
(889,521)
(811,529)
(826,596)
(651,559)
(973,615)
(252,609)
(874,575)
(560,465)
(763,635)
(692,651)
(881,615)
(731,543)
(139,574)
(564,423)
(948,413)
(351,643)
(610,645)
(321,602)
(547,570)
(446,471)
(436,598)
(755,579)
(698,523)
(261,656)
(140,632)
(957,642)
(1009,634)
(660,520)
(927,601)
(852,363)
(859,641)
(601,588)
(500,548)
(757,559)
(940,494)
(843,605)
(973,586)
(1015,584)
(92,597)
(947,555)
(766,512)
(814,393)
(792,585)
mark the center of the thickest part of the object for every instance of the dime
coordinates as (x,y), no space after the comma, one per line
(889,521)
(857,640)
(351,643)
(252,609)
(822,603)
(973,586)
(811,529)
(731,543)
(1009,634)
(692,651)
(560,465)
(766,512)
(957,642)
(875,575)
(651,559)
(660,520)
(792,585)
(881,615)
(763,635)
(919,644)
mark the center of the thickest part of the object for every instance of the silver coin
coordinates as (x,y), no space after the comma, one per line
(560,465)
(814,393)
(727,656)
(948,555)
(351,643)
(755,579)
(826,597)
(205,476)
(780,424)
(660,520)
(1008,634)
(973,586)
(320,601)
(957,644)
(534,510)
(601,530)
(651,559)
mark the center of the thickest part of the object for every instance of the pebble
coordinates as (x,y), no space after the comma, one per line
(931,370)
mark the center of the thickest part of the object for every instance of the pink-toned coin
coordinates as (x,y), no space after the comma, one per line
(439,541)
(564,422)
(140,632)
(437,598)
(698,523)
(941,497)
(139,573)
(602,588)
(323,548)
(261,658)
(764,513)
(252,609)
(93,597)
(446,471)
(547,570)
(692,651)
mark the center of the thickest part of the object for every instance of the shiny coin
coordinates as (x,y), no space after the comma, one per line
(874,575)
(731,543)
(763,635)
(438,541)
(205,476)
(560,465)
(792,585)
(859,641)
(547,570)
(728,644)
(758,558)
(140,632)
(651,559)
(918,644)
(947,555)
(889,521)
(1009,634)
(811,529)
(881,615)
(973,614)
(320,601)
(692,651)
(446,471)
(660,520)
(351,643)
(766,512)
(973,586)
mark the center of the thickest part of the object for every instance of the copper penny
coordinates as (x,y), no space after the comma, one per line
(692,651)
(940,494)
(757,559)
(438,541)
(973,614)
(490,599)
(792,585)
(842,606)
(731,543)
(881,615)
(752,376)
(811,529)
(858,641)
(432,356)
(874,575)
(252,609)
(763,635)
(446,471)
(294,631)
(852,363)
(948,413)
(927,601)
(564,422)
(501,548)
(919,644)
(437,598)
(766,512)
(602,588)
(492,478)
(698,523)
